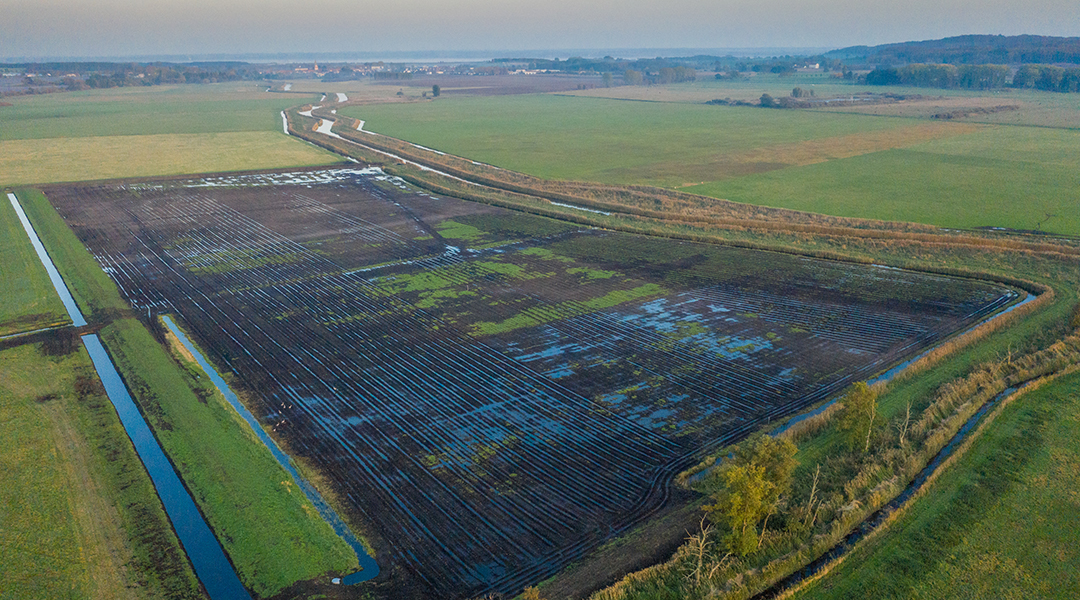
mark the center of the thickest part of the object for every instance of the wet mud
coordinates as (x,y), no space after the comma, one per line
(493,394)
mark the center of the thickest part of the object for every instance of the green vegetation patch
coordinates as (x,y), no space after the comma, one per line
(459,231)
(545,254)
(80,515)
(29,301)
(272,533)
(532,317)
(1001,522)
(91,288)
(227,261)
(588,273)
(1019,178)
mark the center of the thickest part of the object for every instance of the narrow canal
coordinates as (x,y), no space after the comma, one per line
(203,550)
(368,567)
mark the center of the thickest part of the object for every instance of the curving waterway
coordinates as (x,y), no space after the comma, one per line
(207,557)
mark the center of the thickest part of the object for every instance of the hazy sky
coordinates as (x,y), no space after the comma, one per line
(57,28)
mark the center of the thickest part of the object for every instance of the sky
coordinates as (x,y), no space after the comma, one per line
(117,28)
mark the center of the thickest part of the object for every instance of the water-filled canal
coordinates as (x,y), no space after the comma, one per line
(203,550)
(368,567)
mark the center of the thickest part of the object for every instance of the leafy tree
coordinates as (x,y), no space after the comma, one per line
(753,484)
(859,419)
(607,79)
(881,76)
(632,77)
(767,101)
(776,456)
(436,90)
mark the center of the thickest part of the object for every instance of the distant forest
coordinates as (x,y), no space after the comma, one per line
(980,62)
(969,50)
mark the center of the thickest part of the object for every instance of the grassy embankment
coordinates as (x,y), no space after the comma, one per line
(942,397)
(141,132)
(270,531)
(904,167)
(29,301)
(79,514)
(1001,521)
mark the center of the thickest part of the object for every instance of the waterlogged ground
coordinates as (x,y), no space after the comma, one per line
(492,394)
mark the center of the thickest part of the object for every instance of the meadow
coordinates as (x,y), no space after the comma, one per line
(1023,178)
(152,131)
(81,517)
(32,303)
(893,163)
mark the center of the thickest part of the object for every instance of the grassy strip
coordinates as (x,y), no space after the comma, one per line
(1002,520)
(267,526)
(91,288)
(29,302)
(80,515)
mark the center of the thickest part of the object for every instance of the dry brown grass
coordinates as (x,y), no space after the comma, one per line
(820,150)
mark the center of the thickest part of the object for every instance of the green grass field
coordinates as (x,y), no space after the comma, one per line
(611,141)
(1002,522)
(905,167)
(1016,177)
(55,160)
(151,131)
(78,514)
(29,301)
(155,110)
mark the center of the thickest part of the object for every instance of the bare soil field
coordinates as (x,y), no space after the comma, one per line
(489,395)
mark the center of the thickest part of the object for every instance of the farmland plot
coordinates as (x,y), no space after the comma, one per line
(491,394)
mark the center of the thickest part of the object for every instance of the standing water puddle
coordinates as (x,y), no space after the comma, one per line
(883,377)
(368,567)
(203,550)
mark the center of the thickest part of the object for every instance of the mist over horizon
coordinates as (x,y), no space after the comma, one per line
(126,29)
(433,56)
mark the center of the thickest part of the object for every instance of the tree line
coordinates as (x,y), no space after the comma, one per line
(978,77)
